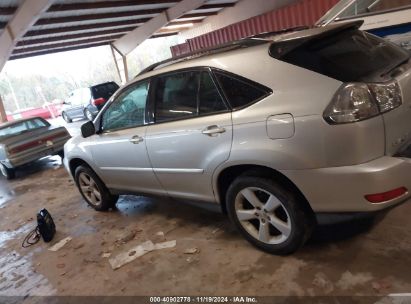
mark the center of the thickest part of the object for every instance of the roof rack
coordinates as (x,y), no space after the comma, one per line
(243,43)
(283,31)
(226,47)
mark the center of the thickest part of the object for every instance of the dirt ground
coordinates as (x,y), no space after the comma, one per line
(363,258)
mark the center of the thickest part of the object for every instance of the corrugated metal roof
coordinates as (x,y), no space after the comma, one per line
(72,24)
(302,13)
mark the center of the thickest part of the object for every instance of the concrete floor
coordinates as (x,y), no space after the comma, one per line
(364,258)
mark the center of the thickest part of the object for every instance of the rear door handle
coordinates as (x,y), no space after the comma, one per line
(213,130)
(136,139)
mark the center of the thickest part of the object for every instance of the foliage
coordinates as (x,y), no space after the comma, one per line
(49,77)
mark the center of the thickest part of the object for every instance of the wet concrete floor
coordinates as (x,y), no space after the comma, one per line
(363,258)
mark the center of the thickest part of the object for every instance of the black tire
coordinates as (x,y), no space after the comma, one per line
(107,200)
(66,117)
(88,114)
(296,219)
(8,173)
(61,154)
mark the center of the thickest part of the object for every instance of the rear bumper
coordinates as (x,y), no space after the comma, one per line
(342,189)
(22,159)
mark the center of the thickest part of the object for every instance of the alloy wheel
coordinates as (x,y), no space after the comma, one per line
(89,189)
(262,215)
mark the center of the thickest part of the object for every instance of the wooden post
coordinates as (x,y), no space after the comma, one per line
(3,115)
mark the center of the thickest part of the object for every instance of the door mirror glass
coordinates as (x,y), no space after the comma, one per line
(88,129)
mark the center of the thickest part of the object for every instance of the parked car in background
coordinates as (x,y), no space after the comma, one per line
(87,102)
(279,130)
(48,110)
(26,140)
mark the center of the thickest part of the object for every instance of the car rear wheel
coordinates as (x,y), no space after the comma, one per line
(66,117)
(88,114)
(93,189)
(268,215)
(8,173)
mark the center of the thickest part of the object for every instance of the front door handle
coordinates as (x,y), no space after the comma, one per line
(136,139)
(213,130)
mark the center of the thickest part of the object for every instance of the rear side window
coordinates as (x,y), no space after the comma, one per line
(210,100)
(347,56)
(240,92)
(185,95)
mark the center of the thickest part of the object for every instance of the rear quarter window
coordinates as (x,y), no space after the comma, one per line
(239,91)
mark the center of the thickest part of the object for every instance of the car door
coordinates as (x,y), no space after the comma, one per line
(119,148)
(191,134)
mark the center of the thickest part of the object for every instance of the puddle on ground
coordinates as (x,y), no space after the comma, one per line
(19,278)
(17,274)
(6,194)
(9,235)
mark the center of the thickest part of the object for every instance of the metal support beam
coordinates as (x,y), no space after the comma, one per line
(130,14)
(26,15)
(3,115)
(129,42)
(122,71)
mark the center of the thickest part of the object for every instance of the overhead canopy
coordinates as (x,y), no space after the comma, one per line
(74,24)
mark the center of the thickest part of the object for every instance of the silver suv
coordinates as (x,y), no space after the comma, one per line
(276,129)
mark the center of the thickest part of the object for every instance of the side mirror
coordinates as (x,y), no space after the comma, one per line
(88,129)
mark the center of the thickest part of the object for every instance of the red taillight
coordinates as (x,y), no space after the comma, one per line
(98,101)
(386,196)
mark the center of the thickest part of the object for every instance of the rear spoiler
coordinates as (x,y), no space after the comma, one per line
(279,49)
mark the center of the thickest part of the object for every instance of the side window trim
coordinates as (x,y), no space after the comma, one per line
(241,79)
(219,88)
(119,94)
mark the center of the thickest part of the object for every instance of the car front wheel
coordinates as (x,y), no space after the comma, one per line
(268,215)
(93,189)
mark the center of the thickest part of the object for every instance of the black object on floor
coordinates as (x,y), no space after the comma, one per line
(45,228)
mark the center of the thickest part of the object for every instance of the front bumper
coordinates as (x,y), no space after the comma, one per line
(342,189)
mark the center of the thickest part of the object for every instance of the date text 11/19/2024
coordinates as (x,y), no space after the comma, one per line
(203,299)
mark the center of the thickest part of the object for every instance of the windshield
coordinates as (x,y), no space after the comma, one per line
(22,127)
(348,56)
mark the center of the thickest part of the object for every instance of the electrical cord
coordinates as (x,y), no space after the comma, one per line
(31,238)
